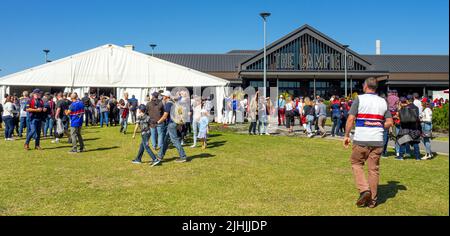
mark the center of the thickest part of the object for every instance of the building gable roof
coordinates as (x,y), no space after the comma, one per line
(291,36)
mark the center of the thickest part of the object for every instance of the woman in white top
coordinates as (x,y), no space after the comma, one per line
(426,119)
(8,118)
(196,115)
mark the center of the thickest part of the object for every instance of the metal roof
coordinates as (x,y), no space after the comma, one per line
(409,63)
(393,63)
(207,62)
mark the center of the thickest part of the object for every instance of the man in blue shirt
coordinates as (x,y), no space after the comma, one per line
(133,108)
(76,112)
(35,109)
(171,132)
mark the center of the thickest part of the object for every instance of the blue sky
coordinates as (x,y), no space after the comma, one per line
(213,26)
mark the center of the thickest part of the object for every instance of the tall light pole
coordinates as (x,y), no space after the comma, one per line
(345,69)
(264,15)
(46,51)
(153,46)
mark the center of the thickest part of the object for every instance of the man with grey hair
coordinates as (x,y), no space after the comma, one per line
(372,117)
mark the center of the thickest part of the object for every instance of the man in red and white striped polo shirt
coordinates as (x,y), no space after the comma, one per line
(371,116)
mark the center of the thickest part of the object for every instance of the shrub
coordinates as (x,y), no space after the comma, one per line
(440,119)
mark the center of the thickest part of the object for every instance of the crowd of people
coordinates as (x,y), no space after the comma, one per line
(311,115)
(162,119)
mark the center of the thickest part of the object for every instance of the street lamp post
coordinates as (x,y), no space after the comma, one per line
(345,69)
(264,15)
(153,46)
(46,51)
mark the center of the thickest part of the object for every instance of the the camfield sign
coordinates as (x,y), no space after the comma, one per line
(312,61)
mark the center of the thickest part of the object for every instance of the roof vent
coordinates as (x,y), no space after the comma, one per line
(129,47)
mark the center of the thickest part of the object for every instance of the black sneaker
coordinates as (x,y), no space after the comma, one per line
(364,198)
(73,152)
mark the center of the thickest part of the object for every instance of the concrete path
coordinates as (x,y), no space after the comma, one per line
(440,147)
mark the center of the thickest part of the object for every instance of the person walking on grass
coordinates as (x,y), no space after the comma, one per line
(76,112)
(155,110)
(372,116)
(124,107)
(170,128)
(143,123)
(36,111)
(203,128)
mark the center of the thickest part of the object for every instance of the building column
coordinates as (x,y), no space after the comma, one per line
(424,91)
(351,86)
(314,85)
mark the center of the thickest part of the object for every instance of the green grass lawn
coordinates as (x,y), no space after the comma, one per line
(237,175)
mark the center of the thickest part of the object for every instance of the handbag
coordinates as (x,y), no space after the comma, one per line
(427,134)
(404,139)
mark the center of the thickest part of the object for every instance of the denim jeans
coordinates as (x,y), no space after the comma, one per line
(252,128)
(35,131)
(195,127)
(385,140)
(309,123)
(427,140)
(9,126)
(144,147)
(104,118)
(123,123)
(48,125)
(88,115)
(404,148)
(24,123)
(262,122)
(157,136)
(336,124)
(171,134)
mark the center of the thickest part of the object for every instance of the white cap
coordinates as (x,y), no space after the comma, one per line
(166,94)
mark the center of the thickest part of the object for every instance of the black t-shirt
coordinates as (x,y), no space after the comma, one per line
(86,101)
(62,104)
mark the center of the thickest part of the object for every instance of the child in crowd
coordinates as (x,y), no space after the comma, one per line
(143,122)
(203,128)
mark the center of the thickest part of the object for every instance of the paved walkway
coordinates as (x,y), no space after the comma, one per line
(440,147)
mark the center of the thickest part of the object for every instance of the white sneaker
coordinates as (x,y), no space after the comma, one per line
(55,141)
(193,146)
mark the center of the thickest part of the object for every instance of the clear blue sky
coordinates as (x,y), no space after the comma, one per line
(213,26)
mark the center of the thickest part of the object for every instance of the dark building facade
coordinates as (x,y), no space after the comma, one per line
(306,62)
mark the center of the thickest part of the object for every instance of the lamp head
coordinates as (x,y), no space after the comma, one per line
(264,15)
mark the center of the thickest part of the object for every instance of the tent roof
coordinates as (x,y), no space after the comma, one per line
(112,66)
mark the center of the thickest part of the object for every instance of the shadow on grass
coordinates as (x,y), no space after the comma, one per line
(389,190)
(102,149)
(215,144)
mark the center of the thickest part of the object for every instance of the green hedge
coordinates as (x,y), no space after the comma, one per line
(440,119)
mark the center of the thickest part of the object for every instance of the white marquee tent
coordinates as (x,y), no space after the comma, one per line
(111,66)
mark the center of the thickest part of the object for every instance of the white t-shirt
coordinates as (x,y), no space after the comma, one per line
(197,113)
(418,104)
(8,109)
(427,115)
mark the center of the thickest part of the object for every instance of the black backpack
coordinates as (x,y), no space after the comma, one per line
(408,115)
